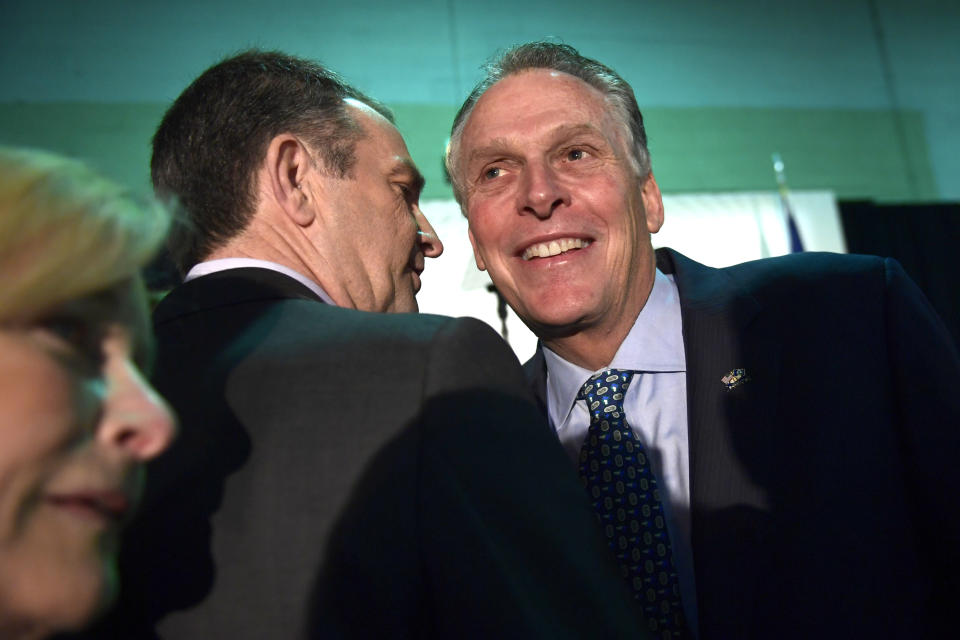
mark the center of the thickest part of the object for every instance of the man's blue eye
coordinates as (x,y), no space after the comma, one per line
(492,173)
(575,154)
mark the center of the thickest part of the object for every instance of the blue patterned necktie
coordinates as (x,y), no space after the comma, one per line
(616,472)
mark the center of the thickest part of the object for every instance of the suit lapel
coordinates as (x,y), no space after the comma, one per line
(727,424)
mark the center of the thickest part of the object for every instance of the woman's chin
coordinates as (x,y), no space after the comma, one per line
(68,602)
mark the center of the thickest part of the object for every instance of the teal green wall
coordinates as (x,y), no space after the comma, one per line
(854,152)
(114,138)
(858,96)
(851,152)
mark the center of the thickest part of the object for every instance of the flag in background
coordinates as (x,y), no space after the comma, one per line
(796,244)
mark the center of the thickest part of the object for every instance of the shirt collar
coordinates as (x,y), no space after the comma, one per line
(222,264)
(654,344)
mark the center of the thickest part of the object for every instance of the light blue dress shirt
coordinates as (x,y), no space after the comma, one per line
(655,408)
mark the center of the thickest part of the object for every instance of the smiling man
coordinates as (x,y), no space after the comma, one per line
(769,448)
(342,472)
(587,268)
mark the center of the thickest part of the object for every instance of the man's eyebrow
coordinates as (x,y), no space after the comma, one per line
(405,168)
(494,146)
(500,145)
(567,130)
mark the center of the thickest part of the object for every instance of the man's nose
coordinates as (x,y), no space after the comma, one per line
(541,192)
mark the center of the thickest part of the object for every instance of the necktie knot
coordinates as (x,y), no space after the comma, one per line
(604,392)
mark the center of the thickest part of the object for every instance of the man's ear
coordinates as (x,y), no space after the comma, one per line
(476,252)
(652,203)
(287,165)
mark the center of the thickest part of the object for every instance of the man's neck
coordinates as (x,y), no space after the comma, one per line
(594,346)
(591,350)
(270,236)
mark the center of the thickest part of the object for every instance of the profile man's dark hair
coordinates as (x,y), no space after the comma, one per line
(556,57)
(215,135)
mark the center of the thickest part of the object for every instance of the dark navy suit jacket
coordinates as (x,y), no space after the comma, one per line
(825,491)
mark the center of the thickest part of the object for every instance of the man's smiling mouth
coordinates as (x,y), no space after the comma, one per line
(554,247)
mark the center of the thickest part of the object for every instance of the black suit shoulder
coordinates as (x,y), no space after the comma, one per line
(849,374)
(796,273)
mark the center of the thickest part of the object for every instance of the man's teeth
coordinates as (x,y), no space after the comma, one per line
(554,248)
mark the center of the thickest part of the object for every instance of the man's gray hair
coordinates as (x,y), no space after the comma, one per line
(556,57)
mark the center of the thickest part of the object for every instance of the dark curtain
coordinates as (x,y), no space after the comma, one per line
(924,238)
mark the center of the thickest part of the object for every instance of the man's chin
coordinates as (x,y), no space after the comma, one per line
(555,330)
(552,320)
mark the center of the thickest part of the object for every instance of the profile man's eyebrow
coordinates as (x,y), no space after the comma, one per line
(406,168)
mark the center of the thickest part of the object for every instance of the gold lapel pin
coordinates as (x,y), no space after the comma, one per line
(735,378)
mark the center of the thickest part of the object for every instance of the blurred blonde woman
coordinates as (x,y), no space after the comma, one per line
(77,418)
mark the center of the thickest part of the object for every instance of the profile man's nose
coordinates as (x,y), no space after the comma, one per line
(427,236)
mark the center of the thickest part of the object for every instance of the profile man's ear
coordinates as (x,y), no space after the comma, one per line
(288,163)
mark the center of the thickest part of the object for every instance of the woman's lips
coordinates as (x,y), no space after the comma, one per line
(104,506)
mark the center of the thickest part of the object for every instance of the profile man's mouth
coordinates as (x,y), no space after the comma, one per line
(554,247)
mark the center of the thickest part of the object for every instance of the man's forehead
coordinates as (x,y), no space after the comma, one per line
(537,81)
(535,91)
(379,133)
(387,149)
(368,118)
(535,102)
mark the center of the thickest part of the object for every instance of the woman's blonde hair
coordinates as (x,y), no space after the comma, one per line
(66,232)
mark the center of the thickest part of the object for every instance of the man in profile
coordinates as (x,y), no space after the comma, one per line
(341,472)
(770,448)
